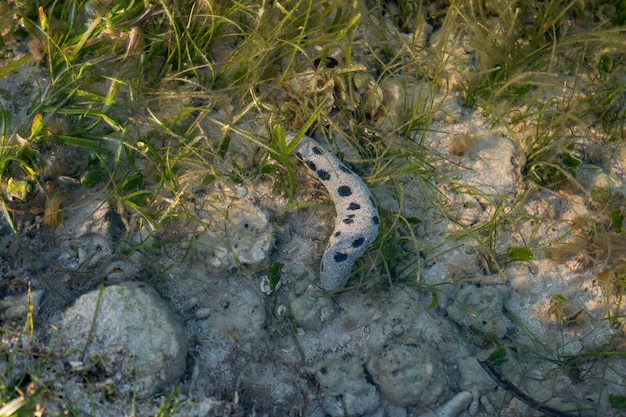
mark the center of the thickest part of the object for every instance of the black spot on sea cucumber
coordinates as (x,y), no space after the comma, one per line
(345,170)
(354,206)
(375,220)
(344,191)
(337,234)
(358,242)
(311,165)
(349,219)
(340,257)
(316,150)
(299,156)
(324,175)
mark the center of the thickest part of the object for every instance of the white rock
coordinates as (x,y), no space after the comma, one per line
(130,333)
(453,407)
(16,308)
(245,237)
(408,374)
(345,387)
(311,312)
(480,308)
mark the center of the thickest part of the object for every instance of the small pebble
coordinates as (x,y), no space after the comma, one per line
(453,407)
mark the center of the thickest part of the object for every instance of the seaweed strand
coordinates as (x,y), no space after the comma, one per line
(517,393)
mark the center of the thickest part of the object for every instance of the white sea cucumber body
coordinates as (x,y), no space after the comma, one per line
(356,224)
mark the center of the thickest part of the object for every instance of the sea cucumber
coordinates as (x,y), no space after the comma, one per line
(357,221)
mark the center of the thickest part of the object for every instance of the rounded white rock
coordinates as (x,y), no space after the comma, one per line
(130,333)
(345,388)
(408,374)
